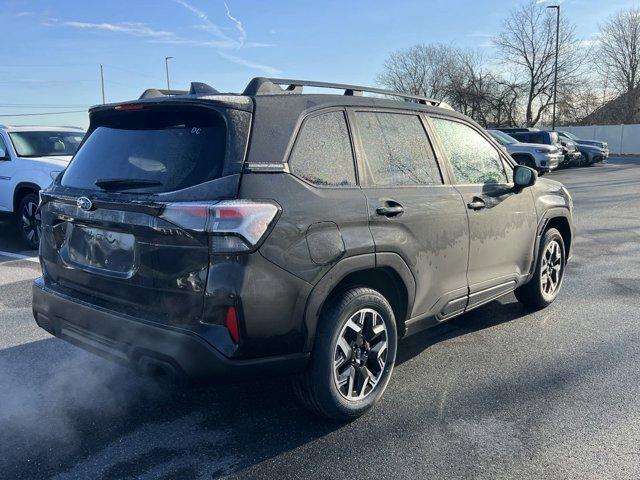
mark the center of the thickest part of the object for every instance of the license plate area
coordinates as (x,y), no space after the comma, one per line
(101,251)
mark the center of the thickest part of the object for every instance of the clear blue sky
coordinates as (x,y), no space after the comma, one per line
(50,50)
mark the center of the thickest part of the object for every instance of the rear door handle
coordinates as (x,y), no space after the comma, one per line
(476,204)
(390,210)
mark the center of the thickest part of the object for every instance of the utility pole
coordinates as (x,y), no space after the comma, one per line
(102,83)
(166,66)
(555,74)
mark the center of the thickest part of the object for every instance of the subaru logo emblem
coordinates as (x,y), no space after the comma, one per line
(84,203)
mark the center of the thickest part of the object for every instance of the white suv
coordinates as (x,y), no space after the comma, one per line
(30,158)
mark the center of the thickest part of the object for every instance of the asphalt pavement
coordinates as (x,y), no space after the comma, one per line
(498,393)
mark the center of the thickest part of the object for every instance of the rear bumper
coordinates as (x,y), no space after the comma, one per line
(147,345)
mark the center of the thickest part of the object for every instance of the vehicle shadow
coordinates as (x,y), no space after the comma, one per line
(68,414)
(487,316)
(10,241)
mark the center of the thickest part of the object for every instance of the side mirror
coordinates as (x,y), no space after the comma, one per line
(524,176)
(3,154)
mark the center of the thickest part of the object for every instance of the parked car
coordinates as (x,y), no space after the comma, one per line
(542,137)
(278,232)
(593,151)
(30,158)
(572,155)
(543,158)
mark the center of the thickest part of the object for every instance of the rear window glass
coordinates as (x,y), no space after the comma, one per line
(150,151)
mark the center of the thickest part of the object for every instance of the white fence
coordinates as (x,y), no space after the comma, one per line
(622,139)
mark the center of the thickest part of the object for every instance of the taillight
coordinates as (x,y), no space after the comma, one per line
(235,226)
(231,322)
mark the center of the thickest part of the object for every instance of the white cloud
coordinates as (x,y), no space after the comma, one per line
(131,28)
(223,42)
(268,70)
(238,24)
(206,24)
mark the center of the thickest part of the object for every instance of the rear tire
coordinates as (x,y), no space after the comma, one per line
(353,356)
(28,220)
(545,285)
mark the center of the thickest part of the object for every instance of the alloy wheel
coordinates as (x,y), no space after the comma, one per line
(360,354)
(551,268)
(31,222)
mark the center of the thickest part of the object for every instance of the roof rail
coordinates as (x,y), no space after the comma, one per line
(266,86)
(197,88)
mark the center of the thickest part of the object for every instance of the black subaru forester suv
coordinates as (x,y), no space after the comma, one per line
(200,234)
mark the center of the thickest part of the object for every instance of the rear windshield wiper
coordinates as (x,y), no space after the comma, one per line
(125,183)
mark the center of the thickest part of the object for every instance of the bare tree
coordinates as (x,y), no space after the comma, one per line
(419,70)
(507,101)
(578,101)
(468,86)
(527,42)
(461,77)
(618,51)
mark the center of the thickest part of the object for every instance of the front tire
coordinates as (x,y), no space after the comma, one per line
(353,356)
(28,220)
(545,285)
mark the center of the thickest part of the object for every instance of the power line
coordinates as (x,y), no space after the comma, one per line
(33,105)
(40,114)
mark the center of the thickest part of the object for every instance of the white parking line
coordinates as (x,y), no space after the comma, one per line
(19,256)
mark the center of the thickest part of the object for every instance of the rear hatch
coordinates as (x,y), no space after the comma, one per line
(112,232)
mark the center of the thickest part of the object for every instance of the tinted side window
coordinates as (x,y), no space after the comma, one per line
(322,154)
(397,149)
(473,158)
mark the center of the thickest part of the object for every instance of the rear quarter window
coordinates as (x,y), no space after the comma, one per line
(322,154)
(170,150)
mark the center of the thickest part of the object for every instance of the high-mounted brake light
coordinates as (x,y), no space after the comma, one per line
(235,226)
(129,107)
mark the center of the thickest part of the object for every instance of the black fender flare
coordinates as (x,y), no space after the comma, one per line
(21,185)
(339,272)
(550,214)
